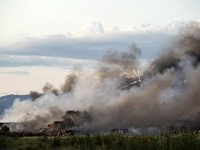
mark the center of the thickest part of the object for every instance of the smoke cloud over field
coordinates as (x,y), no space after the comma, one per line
(169,92)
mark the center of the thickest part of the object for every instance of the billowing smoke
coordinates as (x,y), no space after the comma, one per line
(34,95)
(69,83)
(66,87)
(113,62)
(170,92)
(49,88)
(186,44)
(33,122)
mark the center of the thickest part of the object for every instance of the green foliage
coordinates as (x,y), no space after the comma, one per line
(177,140)
(28,148)
(5,129)
(56,141)
(3,142)
(40,145)
(44,139)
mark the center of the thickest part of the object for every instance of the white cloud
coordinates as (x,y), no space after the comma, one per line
(90,28)
(67,63)
(170,27)
(112,29)
(90,43)
(95,28)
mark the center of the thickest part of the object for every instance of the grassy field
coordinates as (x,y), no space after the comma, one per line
(177,140)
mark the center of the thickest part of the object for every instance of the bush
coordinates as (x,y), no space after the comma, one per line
(3,142)
(5,129)
(56,141)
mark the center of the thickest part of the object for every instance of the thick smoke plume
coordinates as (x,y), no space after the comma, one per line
(34,95)
(69,83)
(169,92)
(49,88)
(187,44)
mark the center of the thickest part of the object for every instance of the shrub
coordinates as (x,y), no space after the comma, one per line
(5,129)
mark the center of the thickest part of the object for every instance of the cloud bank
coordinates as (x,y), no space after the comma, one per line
(16,72)
(89,43)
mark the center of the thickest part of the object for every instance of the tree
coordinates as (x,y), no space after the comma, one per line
(5,129)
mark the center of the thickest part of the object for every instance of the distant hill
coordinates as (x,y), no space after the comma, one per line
(7,101)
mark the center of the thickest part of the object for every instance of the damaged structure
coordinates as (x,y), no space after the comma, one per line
(64,126)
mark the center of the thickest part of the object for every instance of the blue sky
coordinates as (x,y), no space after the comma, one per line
(52,36)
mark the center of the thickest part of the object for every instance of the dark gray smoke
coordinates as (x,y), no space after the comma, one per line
(69,83)
(49,88)
(34,95)
(66,87)
(186,44)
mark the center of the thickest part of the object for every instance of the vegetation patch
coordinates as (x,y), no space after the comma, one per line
(176,140)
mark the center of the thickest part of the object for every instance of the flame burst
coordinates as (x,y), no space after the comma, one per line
(135,75)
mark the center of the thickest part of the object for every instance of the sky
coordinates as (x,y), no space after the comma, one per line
(44,40)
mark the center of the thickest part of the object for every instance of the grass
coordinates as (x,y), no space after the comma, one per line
(177,140)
